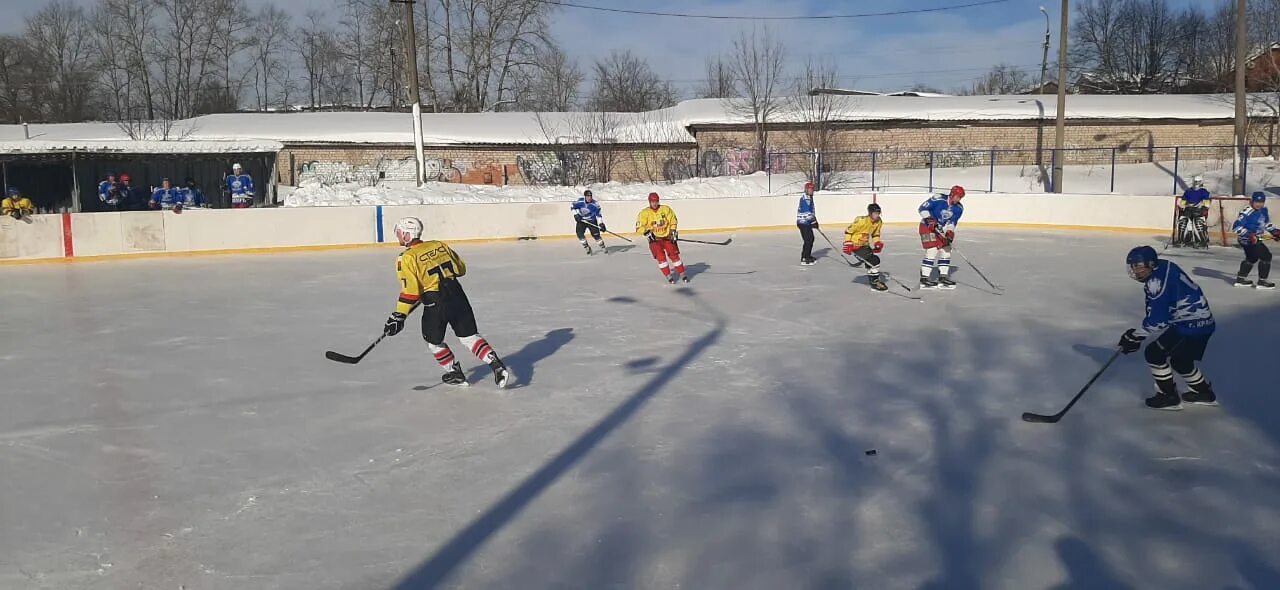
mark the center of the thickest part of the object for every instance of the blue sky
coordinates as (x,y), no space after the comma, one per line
(942,49)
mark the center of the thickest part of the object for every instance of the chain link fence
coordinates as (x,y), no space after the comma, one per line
(1149,170)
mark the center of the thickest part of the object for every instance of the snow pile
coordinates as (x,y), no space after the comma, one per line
(313,194)
(1129,179)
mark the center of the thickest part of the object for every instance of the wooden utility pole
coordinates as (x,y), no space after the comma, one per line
(1060,130)
(1242,97)
(411,75)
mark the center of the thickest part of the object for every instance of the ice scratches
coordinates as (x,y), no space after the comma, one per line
(1179,458)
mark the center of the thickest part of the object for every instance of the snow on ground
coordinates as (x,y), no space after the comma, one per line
(172,423)
(1133,179)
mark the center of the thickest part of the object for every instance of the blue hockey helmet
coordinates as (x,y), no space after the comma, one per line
(1142,257)
(13,191)
(1258,197)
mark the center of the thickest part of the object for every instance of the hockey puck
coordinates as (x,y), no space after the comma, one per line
(871,452)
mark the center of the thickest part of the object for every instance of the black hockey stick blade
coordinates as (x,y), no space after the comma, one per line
(351,360)
(724,243)
(1053,419)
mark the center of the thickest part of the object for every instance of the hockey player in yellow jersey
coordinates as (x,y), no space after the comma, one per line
(862,240)
(658,223)
(429,272)
(17,206)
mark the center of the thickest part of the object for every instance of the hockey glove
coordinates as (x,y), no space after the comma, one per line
(601,226)
(15,214)
(577,218)
(1131,341)
(675,236)
(931,223)
(847,249)
(394,324)
(649,234)
(950,236)
(879,247)
(815,224)
(1275,235)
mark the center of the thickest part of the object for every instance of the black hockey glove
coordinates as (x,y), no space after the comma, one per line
(601,226)
(577,218)
(649,234)
(15,214)
(815,224)
(394,324)
(1131,341)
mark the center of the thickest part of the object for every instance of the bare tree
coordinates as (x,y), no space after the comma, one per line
(815,115)
(720,81)
(128,49)
(270,27)
(554,85)
(758,66)
(1000,79)
(1129,46)
(626,83)
(314,43)
(16,76)
(58,37)
(484,49)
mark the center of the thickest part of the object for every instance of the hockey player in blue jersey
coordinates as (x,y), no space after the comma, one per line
(1193,210)
(807,221)
(1249,226)
(589,217)
(109,193)
(240,187)
(192,196)
(1179,319)
(938,218)
(166,197)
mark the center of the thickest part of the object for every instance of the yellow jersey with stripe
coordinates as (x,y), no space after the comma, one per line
(661,221)
(863,231)
(423,269)
(22,205)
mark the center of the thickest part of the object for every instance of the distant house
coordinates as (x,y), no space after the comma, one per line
(1262,69)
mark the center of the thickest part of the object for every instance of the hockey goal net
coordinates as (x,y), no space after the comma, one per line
(1221,214)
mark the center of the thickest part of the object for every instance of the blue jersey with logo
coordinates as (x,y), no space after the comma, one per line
(192,197)
(938,208)
(806,213)
(165,198)
(1196,196)
(240,184)
(1252,221)
(589,212)
(1174,301)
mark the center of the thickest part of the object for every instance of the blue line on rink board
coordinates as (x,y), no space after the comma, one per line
(378,222)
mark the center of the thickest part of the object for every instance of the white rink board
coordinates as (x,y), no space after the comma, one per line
(101,234)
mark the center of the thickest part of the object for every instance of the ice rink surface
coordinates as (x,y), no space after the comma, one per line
(173,423)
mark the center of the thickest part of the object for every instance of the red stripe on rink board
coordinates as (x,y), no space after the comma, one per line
(68,245)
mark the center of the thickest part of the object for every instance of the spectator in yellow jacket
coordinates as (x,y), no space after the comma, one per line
(17,206)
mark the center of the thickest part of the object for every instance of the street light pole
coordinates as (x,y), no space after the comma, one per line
(411,71)
(1044,60)
(1060,130)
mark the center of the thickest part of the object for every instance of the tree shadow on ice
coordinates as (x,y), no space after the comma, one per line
(522,361)
(961,494)
(459,548)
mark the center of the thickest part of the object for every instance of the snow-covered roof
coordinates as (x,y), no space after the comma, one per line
(670,125)
(125,146)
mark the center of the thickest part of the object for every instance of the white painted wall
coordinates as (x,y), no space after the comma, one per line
(40,238)
(97,234)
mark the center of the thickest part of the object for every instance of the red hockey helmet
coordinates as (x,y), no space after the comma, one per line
(124,178)
(808,187)
(653,199)
(957,191)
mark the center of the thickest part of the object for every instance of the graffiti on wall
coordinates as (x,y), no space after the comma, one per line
(327,172)
(735,161)
(566,168)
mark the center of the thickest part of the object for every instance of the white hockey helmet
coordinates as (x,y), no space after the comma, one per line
(237,166)
(408,230)
(1197,181)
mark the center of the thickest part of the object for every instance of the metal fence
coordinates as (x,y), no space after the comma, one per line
(1126,169)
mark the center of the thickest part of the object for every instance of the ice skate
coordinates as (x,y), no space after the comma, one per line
(878,284)
(455,376)
(1201,395)
(1164,401)
(1265,285)
(808,261)
(1242,282)
(501,374)
(928,283)
(587,247)
(602,247)
(945,282)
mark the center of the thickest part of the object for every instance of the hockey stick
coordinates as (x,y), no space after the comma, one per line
(589,224)
(966,260)
(351,360)
(724,243)
(860,259)
(1053,419)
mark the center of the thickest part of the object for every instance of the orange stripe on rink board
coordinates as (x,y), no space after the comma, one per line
(68,245)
